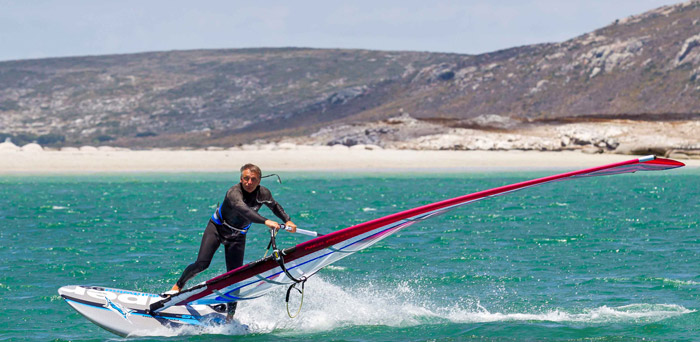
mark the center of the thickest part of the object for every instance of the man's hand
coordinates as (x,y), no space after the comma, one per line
(292,227)
(272,225)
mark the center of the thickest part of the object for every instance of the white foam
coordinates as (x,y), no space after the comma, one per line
(229,329)
(328,306)
(335,268)
(677,282)
(628,313)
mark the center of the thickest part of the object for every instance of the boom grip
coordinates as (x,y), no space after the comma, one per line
(300,231)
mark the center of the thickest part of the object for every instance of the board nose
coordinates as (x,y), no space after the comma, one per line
(68,289)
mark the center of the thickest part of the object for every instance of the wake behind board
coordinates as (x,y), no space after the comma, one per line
(123,312)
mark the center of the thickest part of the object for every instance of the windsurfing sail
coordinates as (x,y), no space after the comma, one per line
(301,261)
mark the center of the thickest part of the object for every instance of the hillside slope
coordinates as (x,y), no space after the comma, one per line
(645,66)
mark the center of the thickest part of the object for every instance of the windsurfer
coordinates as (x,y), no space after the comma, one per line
(229,225)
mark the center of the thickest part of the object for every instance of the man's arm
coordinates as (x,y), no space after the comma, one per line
(250,214)
(279,212)
(277,209)
(236,199)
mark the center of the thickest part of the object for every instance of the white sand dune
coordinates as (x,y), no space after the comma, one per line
(302,158)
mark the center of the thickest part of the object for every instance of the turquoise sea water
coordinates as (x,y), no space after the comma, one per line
(612,258)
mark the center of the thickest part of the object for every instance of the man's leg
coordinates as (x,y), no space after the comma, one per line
(210,243)
(234,258)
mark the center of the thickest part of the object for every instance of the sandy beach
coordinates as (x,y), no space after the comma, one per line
(303,158)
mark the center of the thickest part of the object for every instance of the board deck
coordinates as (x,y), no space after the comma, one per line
(123,312)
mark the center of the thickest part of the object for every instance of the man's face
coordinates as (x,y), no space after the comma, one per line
(249,180)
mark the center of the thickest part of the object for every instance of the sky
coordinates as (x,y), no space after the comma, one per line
(32,29)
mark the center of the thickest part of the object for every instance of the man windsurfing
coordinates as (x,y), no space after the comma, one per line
(230,223)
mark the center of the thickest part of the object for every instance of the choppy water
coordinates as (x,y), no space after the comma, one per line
(605,259)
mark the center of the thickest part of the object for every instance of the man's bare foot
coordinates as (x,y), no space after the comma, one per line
(175,290)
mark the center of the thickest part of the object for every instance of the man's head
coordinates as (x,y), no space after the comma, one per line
(250,177)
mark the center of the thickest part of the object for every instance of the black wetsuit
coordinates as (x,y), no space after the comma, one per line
(229,225)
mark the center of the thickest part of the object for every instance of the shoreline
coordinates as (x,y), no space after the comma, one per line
(321,159)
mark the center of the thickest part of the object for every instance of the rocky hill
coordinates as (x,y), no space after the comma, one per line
(645,67)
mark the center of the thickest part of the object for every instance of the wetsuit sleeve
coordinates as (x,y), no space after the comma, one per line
(278,211)
(236,200)
(275,207)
